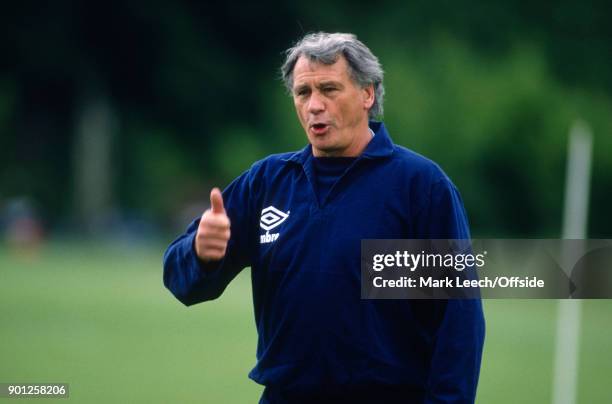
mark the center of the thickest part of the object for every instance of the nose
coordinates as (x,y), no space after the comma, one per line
(315,103)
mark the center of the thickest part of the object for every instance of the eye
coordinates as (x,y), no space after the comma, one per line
(301,92)
(329,89)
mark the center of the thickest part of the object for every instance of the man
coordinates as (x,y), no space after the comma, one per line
(297,220)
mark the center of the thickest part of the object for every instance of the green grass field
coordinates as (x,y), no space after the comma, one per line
(100,319)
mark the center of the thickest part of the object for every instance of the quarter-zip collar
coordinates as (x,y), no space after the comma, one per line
(379,146)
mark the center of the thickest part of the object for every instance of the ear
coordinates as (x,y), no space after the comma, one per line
(368,96)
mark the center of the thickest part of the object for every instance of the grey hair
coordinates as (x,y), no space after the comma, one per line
(322,47)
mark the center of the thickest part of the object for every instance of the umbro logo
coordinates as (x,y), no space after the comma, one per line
(271,218)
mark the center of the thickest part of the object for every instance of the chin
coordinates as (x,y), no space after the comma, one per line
(320,144)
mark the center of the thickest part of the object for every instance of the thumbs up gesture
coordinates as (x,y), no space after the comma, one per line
(213,231)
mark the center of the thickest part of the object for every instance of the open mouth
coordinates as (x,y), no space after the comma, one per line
(319,128)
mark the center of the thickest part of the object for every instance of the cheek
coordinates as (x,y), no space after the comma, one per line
(298,110)
(346,110)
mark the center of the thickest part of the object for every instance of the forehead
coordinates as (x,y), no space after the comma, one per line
(306,70)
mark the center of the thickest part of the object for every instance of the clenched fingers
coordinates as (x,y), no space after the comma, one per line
(212,236)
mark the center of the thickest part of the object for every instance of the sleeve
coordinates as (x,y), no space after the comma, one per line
(459,338)
(192,281)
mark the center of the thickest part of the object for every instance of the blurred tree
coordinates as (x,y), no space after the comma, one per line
(189,78)
(94,137)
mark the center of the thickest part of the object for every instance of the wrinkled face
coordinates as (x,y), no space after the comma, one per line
(332,109)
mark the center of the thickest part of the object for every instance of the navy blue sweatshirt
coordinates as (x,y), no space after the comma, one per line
(315,333)
(328,171)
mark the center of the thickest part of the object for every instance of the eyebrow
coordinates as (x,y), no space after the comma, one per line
(300,88)
(320,85)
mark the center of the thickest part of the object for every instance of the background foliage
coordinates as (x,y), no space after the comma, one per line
(488,90)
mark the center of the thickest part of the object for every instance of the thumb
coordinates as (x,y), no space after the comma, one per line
(216,201)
